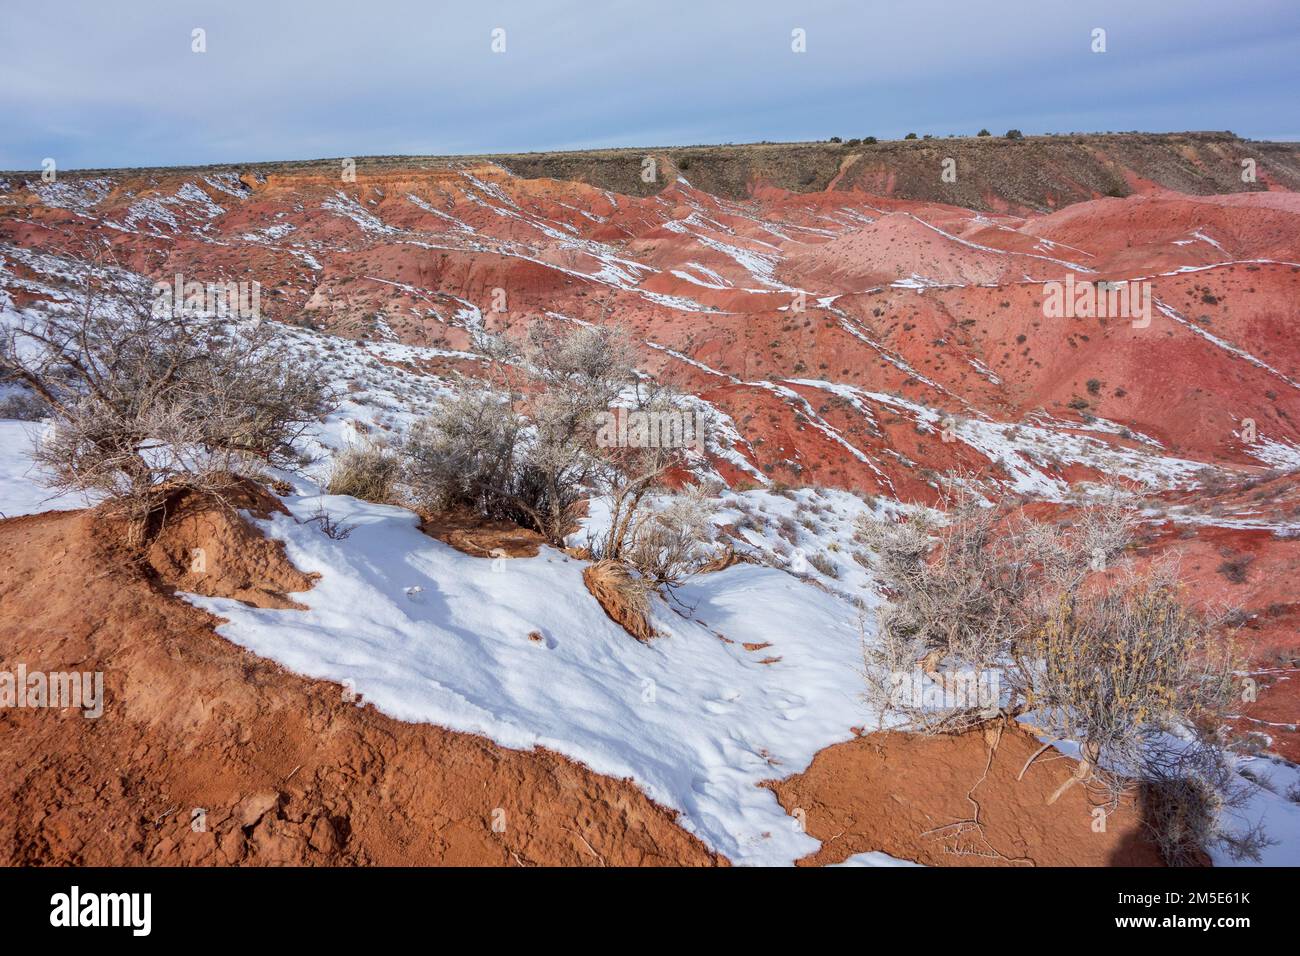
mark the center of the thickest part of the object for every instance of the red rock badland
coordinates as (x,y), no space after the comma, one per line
(864,317)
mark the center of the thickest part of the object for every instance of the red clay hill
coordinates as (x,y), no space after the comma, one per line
(853,317)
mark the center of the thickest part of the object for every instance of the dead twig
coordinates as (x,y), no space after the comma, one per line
(588,846)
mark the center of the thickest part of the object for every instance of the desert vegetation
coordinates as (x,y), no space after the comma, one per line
(1080,646)
(143,401)
(827,425)
(369,471)
(529,448)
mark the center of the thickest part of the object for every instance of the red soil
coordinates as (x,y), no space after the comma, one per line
(287,771)
(415,245)
(919,798)
(980,347)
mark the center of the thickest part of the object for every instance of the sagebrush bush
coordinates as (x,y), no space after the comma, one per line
(526,455)
(1114,658)
(1118,666)
(141,399)
(530,448)
(464,453)
(671,543)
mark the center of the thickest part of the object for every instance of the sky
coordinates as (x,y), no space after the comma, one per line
(92,84)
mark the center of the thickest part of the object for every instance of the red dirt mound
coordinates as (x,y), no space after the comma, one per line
(209,550)
(481,537)
(913,797)
(207,754)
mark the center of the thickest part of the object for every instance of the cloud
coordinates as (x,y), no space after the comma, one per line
(91,86)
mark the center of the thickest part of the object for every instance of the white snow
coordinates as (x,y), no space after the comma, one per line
(694,719)
(1279,454)
(78,195)
(348,207)
(21,491)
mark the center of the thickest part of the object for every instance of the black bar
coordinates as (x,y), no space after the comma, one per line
(256,905)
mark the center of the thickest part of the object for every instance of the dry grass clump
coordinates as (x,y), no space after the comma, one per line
(668,545)
(824,564)
(623,595)
(369,471)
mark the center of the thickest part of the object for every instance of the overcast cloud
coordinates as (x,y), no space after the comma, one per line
(94,83)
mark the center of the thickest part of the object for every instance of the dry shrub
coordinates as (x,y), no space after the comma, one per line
(463,453)
(824,564)
(670,544)
(529,457)
(144,400)
(477,451)
(1236,567)
(538,441)
(1136,675)
(624,596)
(965,593)
(330,526)
(1213,481)
(1118,661)
(958,612)
(1183,808)
(1179,814)
(368,471)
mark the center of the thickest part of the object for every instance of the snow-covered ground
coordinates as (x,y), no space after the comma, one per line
(519,651)
(1273,800)
(426,633)
(21,490)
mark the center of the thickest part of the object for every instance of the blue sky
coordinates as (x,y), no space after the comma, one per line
(94,83)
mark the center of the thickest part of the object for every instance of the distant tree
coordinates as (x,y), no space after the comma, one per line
(853,142)
(868,140)
(983,132)
(1015,134)
(910,136)
(836,139)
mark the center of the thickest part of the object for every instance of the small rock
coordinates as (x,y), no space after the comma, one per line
(252,808)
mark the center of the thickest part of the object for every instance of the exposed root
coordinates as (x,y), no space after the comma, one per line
(957,830)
